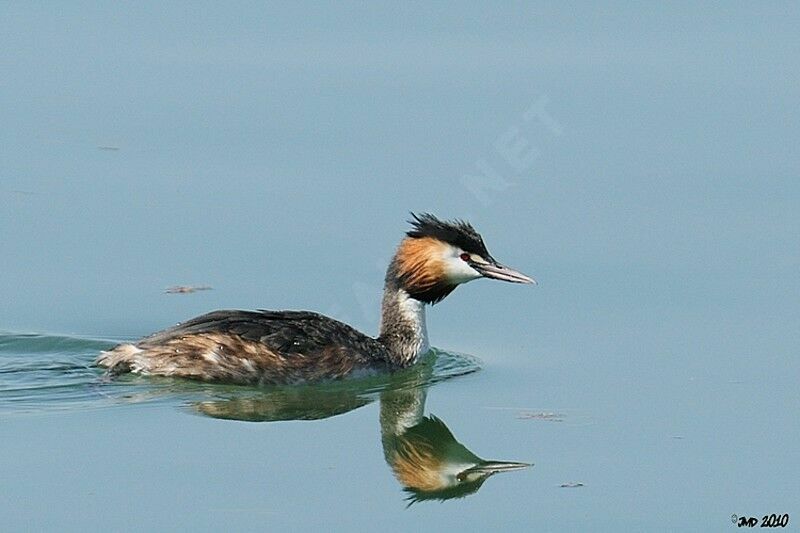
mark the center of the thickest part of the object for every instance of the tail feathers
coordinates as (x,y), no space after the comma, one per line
(121,359)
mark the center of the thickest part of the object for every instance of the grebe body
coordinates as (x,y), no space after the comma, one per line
(285,347)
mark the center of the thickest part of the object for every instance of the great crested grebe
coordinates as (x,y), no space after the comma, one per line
(284,347)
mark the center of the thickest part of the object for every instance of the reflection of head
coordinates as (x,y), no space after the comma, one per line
(432,465)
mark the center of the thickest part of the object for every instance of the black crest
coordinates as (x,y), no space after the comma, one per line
(456,232)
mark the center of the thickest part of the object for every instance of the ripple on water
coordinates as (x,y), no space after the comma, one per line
(50,372)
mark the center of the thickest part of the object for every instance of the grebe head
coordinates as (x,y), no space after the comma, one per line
(436,256)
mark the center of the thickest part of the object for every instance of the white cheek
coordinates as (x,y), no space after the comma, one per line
(456,269)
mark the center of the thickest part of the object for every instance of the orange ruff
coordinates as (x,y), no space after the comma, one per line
(419,262)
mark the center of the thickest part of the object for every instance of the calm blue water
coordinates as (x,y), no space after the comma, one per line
(640,161)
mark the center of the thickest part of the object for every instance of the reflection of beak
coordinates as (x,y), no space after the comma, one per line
(487,468)
(498,271)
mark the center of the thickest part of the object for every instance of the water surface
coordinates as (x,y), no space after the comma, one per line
(640,160)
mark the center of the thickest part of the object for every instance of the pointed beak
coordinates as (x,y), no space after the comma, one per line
(487,468)
(498,271)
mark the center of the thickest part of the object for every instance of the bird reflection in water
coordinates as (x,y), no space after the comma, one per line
(422,452)
(425,456)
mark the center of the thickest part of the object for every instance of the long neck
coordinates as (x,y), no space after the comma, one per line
(403,330)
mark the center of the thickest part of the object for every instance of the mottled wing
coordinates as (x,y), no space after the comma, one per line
(285,332)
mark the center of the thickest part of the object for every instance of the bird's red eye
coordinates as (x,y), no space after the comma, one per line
(465,256)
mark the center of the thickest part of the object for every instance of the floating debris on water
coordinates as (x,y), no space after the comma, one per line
(547,416)
(186,289)
(109,148)
(572,485)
